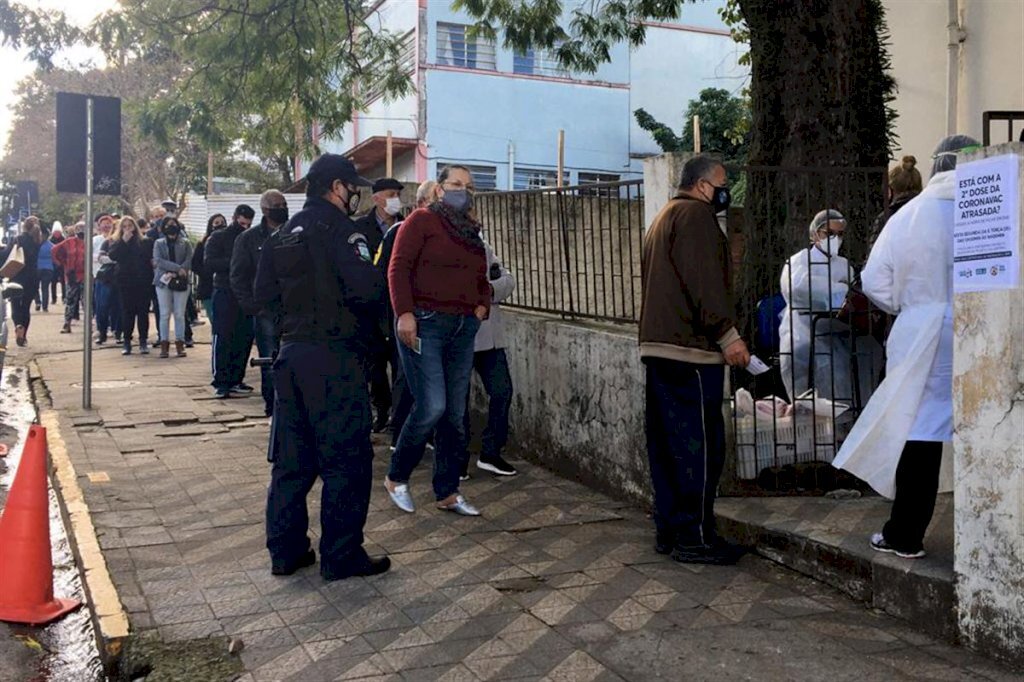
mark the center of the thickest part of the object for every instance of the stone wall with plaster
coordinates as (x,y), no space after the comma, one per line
(988,390)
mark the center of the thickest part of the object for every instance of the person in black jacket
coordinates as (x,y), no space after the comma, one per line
(133,255)
(204,290)
(232,330)
(244,260)
(386,213)
(318,270)
(21,308)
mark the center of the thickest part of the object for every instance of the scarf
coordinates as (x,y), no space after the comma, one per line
(463,229)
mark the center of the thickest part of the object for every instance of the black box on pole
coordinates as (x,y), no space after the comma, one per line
(71,143)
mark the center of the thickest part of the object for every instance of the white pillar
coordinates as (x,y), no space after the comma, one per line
(988,442)
(661,182)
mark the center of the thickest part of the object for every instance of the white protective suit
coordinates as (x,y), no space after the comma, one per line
(813,282)
(909,274)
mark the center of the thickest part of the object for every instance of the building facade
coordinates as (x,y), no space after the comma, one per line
(499,112)
(954,60)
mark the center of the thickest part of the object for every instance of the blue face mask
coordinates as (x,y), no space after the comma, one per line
(459,199)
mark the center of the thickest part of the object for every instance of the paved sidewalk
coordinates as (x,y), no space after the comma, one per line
(555,581)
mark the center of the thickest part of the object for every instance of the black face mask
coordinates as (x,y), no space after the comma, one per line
(278,216)
(721,198)
(353,202)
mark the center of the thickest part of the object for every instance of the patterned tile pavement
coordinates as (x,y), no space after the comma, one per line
(554,582)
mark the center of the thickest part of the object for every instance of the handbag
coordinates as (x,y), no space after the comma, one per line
(176,282)
(15,262)
(863,317)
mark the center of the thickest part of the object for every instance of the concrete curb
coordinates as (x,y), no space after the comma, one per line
(920,594)
(109,618)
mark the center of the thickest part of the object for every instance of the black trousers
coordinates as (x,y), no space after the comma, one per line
(135,311)
(917,484)
(21,307)
(380,384)
(321,427)
(685,447)
(232,340)
(401,397)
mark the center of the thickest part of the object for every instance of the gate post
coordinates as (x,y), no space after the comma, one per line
(988,439)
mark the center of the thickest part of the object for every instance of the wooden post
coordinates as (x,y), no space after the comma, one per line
(209,173)
(696,134)
(561,156)
(390,161)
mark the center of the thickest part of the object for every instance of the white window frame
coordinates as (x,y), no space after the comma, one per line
(455,49)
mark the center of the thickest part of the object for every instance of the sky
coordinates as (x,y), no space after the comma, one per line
(13,64)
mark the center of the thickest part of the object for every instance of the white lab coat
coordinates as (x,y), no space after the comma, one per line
(909,274)
(813,282)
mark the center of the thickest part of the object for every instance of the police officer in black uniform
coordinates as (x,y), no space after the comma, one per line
(318,271)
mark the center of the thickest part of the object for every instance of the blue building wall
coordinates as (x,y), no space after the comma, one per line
(473,116)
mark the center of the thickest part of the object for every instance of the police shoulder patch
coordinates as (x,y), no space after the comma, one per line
(362,249)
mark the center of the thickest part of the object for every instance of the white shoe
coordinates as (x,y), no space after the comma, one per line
(460,506)
(401,497)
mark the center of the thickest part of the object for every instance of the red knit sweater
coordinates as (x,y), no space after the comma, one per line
(430,270)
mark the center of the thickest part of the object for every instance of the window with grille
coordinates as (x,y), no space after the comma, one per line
(407,62)
(537,178)
(454,48)
(594,178)
(538,63)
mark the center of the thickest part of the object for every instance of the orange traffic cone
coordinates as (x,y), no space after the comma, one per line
(26,566)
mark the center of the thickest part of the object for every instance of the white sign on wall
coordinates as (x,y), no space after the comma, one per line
(986,242)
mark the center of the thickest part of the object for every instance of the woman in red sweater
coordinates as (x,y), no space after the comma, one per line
(440,293)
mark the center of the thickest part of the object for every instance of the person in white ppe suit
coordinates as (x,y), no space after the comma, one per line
(815,281)
(896,445)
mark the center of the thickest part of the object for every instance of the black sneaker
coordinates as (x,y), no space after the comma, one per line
(380,424)
(373,566)
(496,465)
(222,393)
(241,389)
(307,559)
(880,544)
(722,554)
(664,541)
(118,338)
(190,344)
(101,340)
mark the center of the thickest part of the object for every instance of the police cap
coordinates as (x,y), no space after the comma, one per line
(331,167)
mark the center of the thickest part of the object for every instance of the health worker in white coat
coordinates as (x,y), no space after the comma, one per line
(814,283)
(896,445)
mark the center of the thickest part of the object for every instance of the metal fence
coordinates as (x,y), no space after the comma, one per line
(575,251)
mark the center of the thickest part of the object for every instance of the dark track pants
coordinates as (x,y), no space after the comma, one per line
(685,446)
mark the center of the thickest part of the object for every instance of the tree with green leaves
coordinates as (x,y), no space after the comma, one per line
(254,72)
(42,33)
(724,126)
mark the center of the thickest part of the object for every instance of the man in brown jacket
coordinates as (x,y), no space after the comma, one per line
(687,335)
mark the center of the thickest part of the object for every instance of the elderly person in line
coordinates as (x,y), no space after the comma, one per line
(896,445)
(814,281)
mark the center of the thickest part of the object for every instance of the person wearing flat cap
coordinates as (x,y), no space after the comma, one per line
(318,272)
(386,213)
(387,210)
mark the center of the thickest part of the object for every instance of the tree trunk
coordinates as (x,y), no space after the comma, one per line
(820,97)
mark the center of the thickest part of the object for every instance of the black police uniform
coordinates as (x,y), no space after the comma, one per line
(319,271)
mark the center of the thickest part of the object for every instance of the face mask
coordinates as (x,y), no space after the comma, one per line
(171,234)
(352,205)
(278,216)
(830,246)
(721,198)
(458,199)
(393,206)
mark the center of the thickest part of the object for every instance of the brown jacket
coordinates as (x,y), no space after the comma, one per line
(688,311)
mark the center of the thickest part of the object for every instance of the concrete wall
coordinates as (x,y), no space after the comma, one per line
(988,442)
(661,182)
(991,64)
(579,400)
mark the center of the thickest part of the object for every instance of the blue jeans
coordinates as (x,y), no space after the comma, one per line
(439,382)
(172,302)
(265,332)
(108,308)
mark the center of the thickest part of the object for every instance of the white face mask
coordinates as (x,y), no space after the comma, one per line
(393,206)
(830,246)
